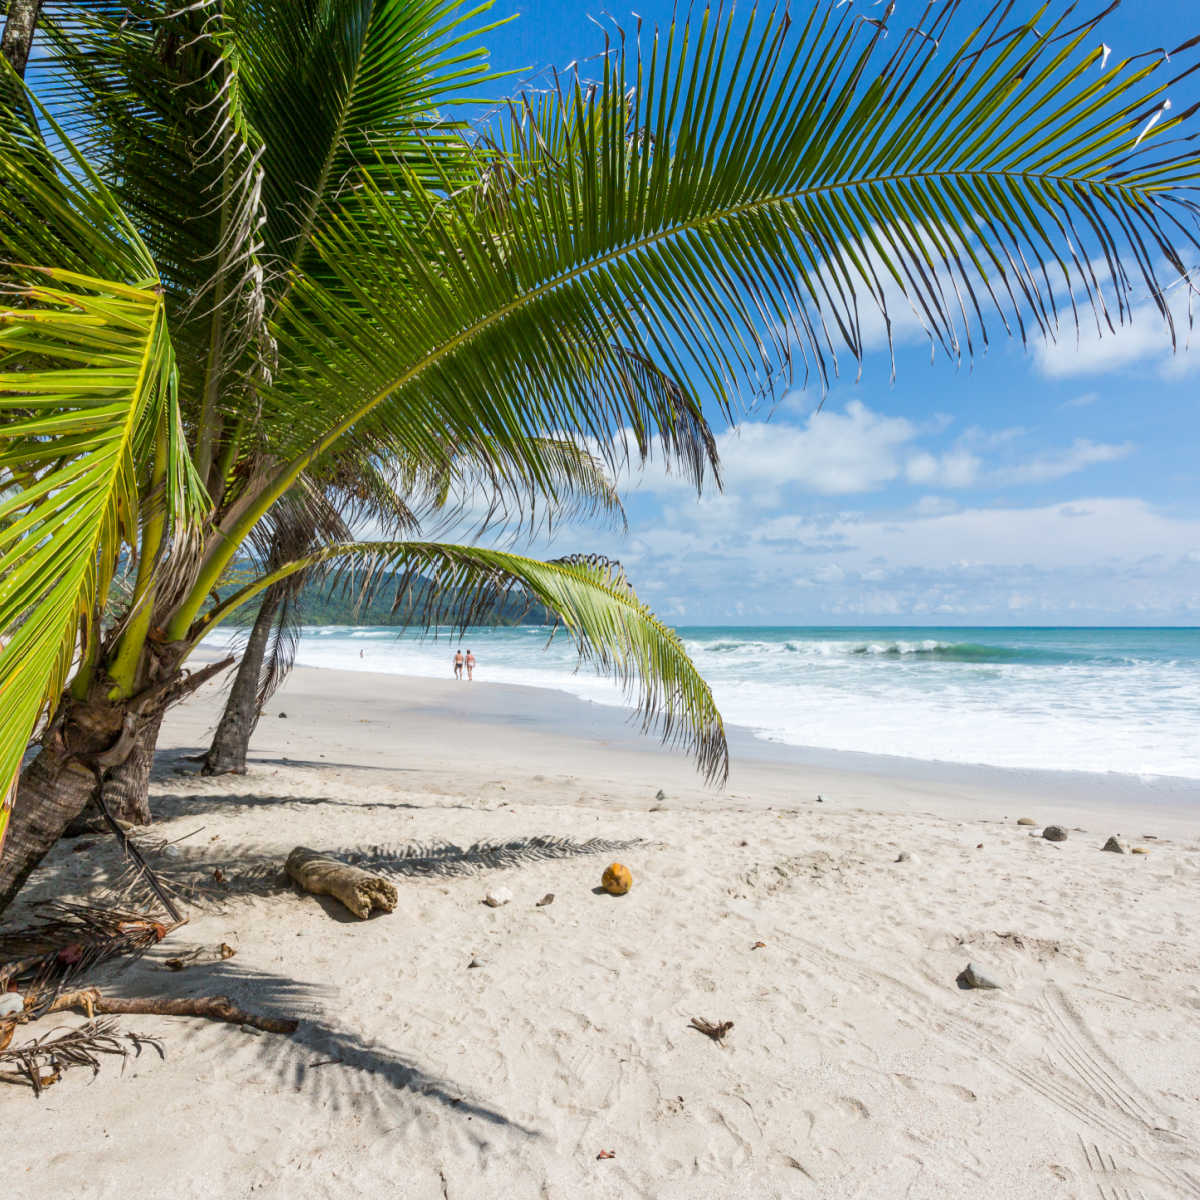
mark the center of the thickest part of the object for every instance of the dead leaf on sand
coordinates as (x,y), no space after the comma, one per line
(712,1029)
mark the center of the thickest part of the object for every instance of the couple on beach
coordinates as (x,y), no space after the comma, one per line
(460,662)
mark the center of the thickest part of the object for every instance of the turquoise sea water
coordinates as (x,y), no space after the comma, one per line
(1122,700)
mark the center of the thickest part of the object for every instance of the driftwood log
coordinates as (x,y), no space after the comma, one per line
(357,889)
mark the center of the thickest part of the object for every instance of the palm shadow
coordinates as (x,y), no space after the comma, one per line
(204,875)
(304,1061)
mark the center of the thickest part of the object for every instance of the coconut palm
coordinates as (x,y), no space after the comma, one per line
(259,230)
(394,502)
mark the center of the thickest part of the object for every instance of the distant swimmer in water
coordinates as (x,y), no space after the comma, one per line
(470,666)
(360,654)
(458,664)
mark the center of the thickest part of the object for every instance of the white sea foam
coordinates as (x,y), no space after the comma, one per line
(1089,700)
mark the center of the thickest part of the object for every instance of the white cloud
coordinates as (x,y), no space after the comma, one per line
(1143,341)
(1046,467)
(858,450)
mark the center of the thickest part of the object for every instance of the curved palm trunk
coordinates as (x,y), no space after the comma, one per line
(227,754)
(92,742)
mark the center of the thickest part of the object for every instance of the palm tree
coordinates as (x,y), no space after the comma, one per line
(257,232)
(394,502)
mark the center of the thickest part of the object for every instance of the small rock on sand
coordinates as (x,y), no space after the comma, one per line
(474,963)
(497,896)
(1026,821)
(973,978)
(1140,850)
(1115,846)
(1054,833)
(905,856)
(548,898)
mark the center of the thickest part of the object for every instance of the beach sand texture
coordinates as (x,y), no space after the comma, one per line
(856,1066)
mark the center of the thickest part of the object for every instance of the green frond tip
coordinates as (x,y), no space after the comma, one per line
(593,601)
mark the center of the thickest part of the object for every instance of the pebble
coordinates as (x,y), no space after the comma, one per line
(906,856)
(1115,845)
(1026,821)
(1140,850)
(474,963)
(1054,833)
(282,716)
(976,979)
(548,898)
(11,1004)
(497,897)
(660,795)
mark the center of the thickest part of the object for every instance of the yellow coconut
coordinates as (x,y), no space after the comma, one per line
(616,880)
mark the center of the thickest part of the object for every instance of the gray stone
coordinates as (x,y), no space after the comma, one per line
(1115,845)
(973,978)
(497,897)
(660,795)
(548,898)
(1054,833)
(906,856)
(1026,821)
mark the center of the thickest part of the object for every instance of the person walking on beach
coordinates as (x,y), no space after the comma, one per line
(470,666)
(458,664)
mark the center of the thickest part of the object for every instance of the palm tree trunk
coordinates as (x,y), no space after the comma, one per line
(87,739)
(227,754)
(19,26)
(92,741)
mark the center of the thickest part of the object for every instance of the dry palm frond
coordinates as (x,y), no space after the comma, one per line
(133,887)
(41,1062)
(45,958)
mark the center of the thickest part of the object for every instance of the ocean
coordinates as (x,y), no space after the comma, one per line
(1096,700)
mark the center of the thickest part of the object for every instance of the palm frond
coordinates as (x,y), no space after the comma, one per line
(91,446)
(41,1061)
(770,185)
(590,596)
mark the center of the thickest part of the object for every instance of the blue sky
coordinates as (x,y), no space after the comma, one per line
(1054,484)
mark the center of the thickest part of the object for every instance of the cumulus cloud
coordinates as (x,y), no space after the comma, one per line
(858,451)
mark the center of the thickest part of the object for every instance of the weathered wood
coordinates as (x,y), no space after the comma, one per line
(214,1008)
(357,889)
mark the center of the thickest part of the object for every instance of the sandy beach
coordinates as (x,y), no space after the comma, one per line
(856,1066)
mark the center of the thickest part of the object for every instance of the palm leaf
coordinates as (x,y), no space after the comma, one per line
(592,599)
(91,442)
(767,187)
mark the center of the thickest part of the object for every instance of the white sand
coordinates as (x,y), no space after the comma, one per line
(855,1067)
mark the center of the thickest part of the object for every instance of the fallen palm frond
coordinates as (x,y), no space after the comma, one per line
(41,1062)
(45,958)
(142,886)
